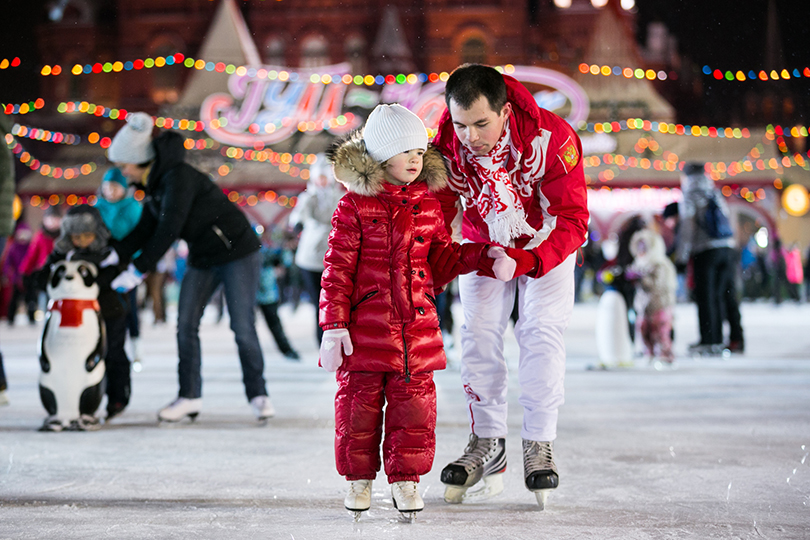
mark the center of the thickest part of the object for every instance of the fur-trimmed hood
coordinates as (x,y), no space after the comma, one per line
(362,174)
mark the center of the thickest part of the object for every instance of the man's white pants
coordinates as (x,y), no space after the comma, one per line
(545,305)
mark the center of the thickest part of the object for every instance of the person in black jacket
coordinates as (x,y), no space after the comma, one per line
(182,202)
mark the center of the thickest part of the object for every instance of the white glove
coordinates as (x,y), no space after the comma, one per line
(504,266)
(127,280)
(331,357)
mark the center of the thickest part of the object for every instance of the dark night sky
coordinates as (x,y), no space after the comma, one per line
(730,34)
(725,34)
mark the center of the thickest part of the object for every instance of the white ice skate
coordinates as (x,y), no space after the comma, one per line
(136,355)
(483,459)
(358,499)
(539,471)
(179,409)
(86,422)
(3,398)
(262,408)
(407,499)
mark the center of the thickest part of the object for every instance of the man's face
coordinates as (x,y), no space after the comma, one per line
(479,127)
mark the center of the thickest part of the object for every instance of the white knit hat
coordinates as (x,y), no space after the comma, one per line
(133,142)
(391,129)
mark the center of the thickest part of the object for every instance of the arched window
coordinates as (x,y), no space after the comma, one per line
(314,52)
(474,51)
(355,49)
(274,51)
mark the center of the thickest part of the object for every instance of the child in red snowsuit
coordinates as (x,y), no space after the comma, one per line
(388,252)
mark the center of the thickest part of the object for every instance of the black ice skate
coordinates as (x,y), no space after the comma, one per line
(483,459)
(539,470)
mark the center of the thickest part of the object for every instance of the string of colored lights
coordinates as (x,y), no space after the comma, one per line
(716,170)
(45,135)
(666,128)
(270,196)
(198,125)
(22,108)
(5,63)
(626,72)
(760,75)
(221,67)
(45,169)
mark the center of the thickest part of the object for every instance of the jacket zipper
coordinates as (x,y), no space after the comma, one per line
(222,237)
(366,297)
(405,350)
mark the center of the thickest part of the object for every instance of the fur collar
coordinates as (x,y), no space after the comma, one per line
(362,174)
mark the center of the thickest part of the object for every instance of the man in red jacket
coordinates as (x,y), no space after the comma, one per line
(516,179)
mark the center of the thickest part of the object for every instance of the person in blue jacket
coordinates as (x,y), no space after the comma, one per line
(121,213)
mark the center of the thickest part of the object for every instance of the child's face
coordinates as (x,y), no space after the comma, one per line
(404,168)
(82,240)
(112,191)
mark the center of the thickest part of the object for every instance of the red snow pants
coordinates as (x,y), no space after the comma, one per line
(410,424)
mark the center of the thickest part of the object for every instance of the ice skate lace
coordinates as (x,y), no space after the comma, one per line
(477,452)
(407,489)
(538,456)
(358,487)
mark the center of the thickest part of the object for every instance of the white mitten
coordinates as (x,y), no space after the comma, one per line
(127,280)
(331,357)
(504,266)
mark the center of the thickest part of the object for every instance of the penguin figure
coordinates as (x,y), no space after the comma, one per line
(72,348)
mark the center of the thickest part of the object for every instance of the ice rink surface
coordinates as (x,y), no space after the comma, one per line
(717,448)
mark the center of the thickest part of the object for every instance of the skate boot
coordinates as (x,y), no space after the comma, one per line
(3,398)
(358,499)
(539,470)
(136,355)
(262,408)
(179,409)
(483,459)
(52,424)
(407,499)
(86,422)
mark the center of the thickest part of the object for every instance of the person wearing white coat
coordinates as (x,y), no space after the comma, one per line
(313,213)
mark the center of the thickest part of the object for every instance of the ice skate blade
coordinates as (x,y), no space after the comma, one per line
(191,416)
(489,487)
(355,514)
(408,517)
(542,497)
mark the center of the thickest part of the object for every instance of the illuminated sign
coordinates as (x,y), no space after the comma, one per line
(265,107)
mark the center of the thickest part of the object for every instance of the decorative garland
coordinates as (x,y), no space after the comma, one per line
(760,75)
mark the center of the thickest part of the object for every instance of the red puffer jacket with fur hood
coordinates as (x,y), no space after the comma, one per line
(377,281)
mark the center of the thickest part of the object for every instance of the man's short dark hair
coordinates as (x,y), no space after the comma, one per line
(694,167)
(468,82)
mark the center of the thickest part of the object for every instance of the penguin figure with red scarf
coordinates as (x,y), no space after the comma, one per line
(72,348)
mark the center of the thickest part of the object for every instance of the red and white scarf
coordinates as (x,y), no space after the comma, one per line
(498,202)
